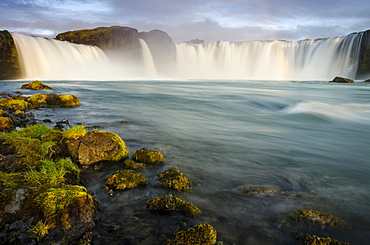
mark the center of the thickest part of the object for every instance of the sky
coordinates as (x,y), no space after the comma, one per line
(183,20)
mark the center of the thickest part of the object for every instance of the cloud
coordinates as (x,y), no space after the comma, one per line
(184,20)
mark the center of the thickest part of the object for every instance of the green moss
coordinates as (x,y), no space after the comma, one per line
(174,179)
(31,143)
(133,165)
(169,203)
(315,240)
(122,151)
(58,203)
(148,156)
(15,104)
(202,234)
(126,179)
(10,180)
(52,174)
(39,230)
(75,132)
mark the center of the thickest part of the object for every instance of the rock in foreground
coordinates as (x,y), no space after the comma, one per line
(202,234)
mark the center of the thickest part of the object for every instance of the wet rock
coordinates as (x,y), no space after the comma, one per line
(204,234)
(16,233)
(173,178)
(97,146)
(126,179)
(309,219)
(257,190)
(315,240)
(17,201)
(367,81)
(6,123)
(36,85)
(148,156)
(169,203)
(342,80)
(53,100)
(134,165)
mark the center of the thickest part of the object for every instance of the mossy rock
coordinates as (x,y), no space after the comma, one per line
(133,165)
(173,178)
(36,85)
(15,104)
(70,207)
(96,146)
(148,156)
(53,100)
(6,123)
(315,240)
(169,203)
(309,219)
(342,80)
(202,234)
(126,179)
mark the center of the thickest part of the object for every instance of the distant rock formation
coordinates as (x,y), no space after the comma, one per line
(363,68)
(195,41)
(9,64)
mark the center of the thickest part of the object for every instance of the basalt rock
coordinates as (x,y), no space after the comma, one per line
(204,234)
(9,64)
(363,67)
(36,85)
(342,80)
(97,146)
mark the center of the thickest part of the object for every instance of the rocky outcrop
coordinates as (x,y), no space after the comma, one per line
(341,80)
(36,85)
(363,68)
(9,64)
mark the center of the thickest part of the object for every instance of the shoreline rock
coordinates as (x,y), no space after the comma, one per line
(341,80)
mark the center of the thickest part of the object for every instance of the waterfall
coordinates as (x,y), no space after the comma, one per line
(43,58)
(311,59)
(147,58)
(319,59)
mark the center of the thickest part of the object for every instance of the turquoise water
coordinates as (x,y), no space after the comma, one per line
(306,142)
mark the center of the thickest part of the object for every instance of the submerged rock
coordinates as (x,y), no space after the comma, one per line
(202,234)
(36,85)
(342,80)
(309,219)
(134,165)
(169,203)
(126,179)
(97,146)
(148,156)
(315,240)
(174,179)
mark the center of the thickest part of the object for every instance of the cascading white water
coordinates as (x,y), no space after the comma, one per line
(147,58)
(42,58)
(320,59)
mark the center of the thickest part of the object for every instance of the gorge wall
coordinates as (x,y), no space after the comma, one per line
(363,68)
(9,65)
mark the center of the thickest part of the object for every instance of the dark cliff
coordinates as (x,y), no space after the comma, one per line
(363,68)
(9,64)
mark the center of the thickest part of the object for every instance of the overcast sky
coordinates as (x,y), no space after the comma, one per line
(230,20)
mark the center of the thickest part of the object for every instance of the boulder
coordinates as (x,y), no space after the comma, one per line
(97,146)
(125,179)
(309,219)
(53,100)
(5,123)
(367,81)
(173,178)
(9,64)
(148,156)
(315,240)
(36,85)
(342,80)
(204,234)
(169,203)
